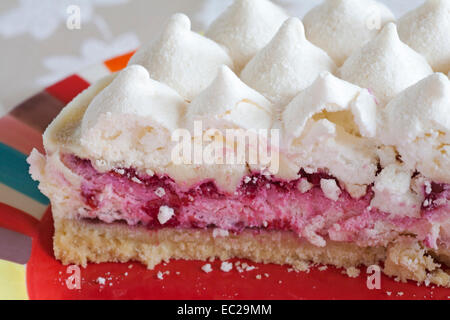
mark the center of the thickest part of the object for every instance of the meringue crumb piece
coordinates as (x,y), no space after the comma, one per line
(258,276)
(177,273)
(330,189)
(160,192)
(247,179)
(352,272)
(119,171)
(164,214)
(217,232)
(130,266)
(400,293)
(226,266)
(304,185)
(101,280)
(265,224)
(389,293)
(135,179)
(126,274)
(250,268)
(100,163)
(428,188)
(160,275)
(207,268)
(323,268)
(150,172)
(266,275)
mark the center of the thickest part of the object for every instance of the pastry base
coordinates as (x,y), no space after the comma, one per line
(82,241)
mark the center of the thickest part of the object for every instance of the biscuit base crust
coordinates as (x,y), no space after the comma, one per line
(83,241)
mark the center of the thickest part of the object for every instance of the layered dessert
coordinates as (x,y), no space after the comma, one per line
(325,141)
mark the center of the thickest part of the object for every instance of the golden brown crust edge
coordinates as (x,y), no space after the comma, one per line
(79,242)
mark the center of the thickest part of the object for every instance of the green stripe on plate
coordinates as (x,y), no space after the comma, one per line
(14,173)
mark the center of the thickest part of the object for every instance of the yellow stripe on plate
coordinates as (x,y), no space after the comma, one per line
(22,202)
(12,281)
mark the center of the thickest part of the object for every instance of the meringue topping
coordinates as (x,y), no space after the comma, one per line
(246,27)
(417,123)
(288,64)
(131,118)
(182,59)
(342,26)
(385,65)
(134,92)
(332,97)
(427,30)
(327,118)
(230,103)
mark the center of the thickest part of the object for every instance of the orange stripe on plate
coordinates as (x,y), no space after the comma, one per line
(118,63)
(19,136)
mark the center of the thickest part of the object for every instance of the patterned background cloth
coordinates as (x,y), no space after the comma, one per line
(38,48)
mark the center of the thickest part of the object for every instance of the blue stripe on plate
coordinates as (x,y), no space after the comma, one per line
(14,173)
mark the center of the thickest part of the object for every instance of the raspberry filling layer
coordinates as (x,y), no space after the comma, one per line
(259,203)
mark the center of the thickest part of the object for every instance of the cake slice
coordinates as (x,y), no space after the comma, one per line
(161,161)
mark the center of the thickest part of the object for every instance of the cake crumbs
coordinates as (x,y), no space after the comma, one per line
(207,268)
(323,268)
(258,276)
(136,179)
(101,280)
(160,192)
(226,266)
(352,272)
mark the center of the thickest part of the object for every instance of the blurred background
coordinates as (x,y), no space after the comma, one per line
(42,43)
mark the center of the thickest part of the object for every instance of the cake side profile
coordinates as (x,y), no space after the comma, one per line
(203,149)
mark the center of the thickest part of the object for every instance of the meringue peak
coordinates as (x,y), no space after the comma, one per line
(418,110)
(342,103)
(181,58)
(342,26)
(178,21)
(427,30)
(385,65)
(246,27)
(230,103)
(134,93)
(417,123)
(288,64)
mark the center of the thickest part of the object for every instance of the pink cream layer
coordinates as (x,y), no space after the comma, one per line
(261,203)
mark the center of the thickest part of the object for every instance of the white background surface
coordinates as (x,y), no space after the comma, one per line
(37,49)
